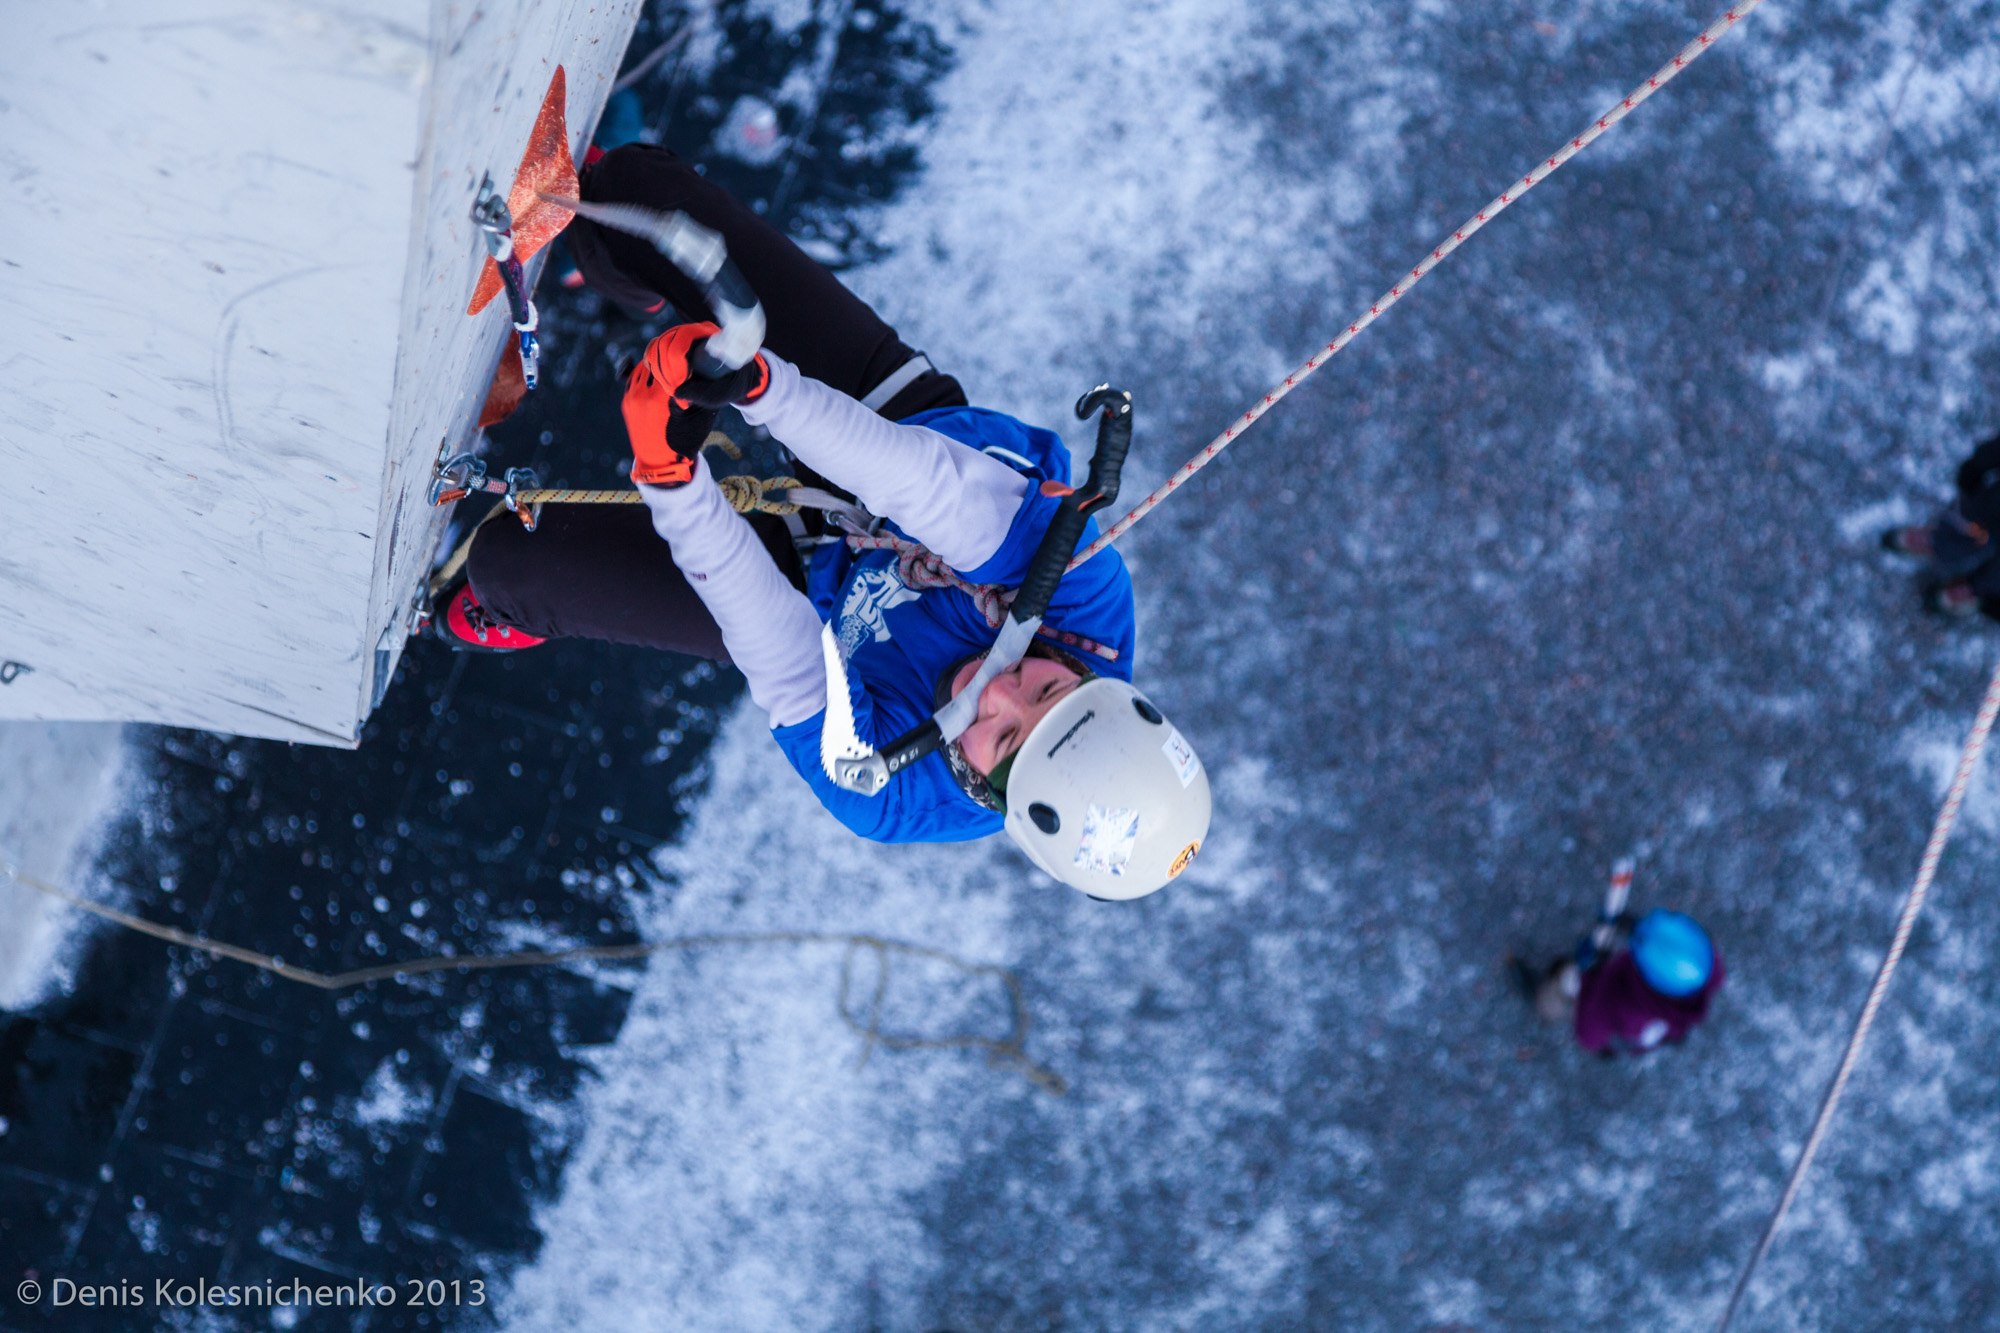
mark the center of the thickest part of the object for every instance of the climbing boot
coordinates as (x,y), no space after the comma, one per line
(1914,540)
(1957,600)
(468,626)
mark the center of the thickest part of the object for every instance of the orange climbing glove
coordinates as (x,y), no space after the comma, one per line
(669,410)
(666,436)
(670,357)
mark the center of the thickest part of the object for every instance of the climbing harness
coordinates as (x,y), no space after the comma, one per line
(923,569)
(1005,1052)
(856,766)
(496,226)
(1687,56)
(1906,922)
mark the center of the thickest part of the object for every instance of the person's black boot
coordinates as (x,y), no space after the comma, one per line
(1915,540)
(1525,978)
(1956,600)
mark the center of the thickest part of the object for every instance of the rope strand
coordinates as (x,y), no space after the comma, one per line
(1906,922)
(1008,1052)
(1506,199)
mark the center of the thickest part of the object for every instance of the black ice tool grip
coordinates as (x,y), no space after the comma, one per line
(1100,488)
(1114,440)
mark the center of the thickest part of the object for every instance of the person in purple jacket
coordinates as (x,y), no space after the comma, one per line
(1649,984)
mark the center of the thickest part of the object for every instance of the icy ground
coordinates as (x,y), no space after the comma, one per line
(59,787)
(1568,557)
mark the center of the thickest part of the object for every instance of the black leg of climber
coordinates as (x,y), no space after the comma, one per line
(1061,750)
(1961,557)
(601,572)
(828,332)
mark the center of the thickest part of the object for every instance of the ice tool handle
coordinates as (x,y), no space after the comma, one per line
(700,253)
(869,774)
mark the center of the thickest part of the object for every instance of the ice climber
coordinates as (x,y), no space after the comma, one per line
(1959,545)
(1078,766)
(1632,985)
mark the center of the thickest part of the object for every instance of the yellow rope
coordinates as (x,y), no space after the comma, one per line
(1008,1052)
(745,494)
(551,495)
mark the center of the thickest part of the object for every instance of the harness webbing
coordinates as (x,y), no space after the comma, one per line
(922,569)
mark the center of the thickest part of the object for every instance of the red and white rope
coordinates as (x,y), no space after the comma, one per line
(921,569)
(1968,761)
(1506,198)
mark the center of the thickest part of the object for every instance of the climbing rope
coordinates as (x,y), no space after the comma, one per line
(1007,1052)
(1688,54)
(923,569)
(1906,922)
(745,494)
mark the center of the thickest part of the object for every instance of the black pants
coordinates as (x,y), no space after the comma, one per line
(600,571)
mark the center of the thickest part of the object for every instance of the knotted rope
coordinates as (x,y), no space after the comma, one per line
(1688,54)
(923,569)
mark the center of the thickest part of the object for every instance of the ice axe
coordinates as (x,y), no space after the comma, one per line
(700,253)
(1605,933)
(856,766)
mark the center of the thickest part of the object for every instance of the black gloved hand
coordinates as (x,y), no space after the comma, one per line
(745,384)
(672,358)
(666,435)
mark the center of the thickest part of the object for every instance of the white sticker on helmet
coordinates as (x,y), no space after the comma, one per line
(1182,754)
(1110,832)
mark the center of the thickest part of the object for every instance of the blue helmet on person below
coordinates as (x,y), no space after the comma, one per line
(1673,952)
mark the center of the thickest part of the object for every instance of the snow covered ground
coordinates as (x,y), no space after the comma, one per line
(1571,556)
(60,784)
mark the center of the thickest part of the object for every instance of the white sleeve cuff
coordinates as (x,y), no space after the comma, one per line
(949,496)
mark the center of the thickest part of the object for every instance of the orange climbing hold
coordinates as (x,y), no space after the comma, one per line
(545,166)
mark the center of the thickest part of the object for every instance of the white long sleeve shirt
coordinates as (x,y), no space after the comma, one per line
(950,497)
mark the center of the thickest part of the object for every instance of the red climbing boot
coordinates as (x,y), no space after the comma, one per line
(469,626)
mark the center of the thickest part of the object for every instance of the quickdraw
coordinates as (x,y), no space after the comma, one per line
(496,227)
(462,474)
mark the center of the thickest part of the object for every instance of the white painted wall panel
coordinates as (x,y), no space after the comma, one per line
(234,257)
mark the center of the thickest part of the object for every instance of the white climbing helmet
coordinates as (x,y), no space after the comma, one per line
(1106,795)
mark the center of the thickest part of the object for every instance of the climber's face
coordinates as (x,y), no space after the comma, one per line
(1010,706)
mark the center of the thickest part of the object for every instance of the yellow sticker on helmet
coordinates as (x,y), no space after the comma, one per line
(1181,861)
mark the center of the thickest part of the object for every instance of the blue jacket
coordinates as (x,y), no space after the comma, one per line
(900,640)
